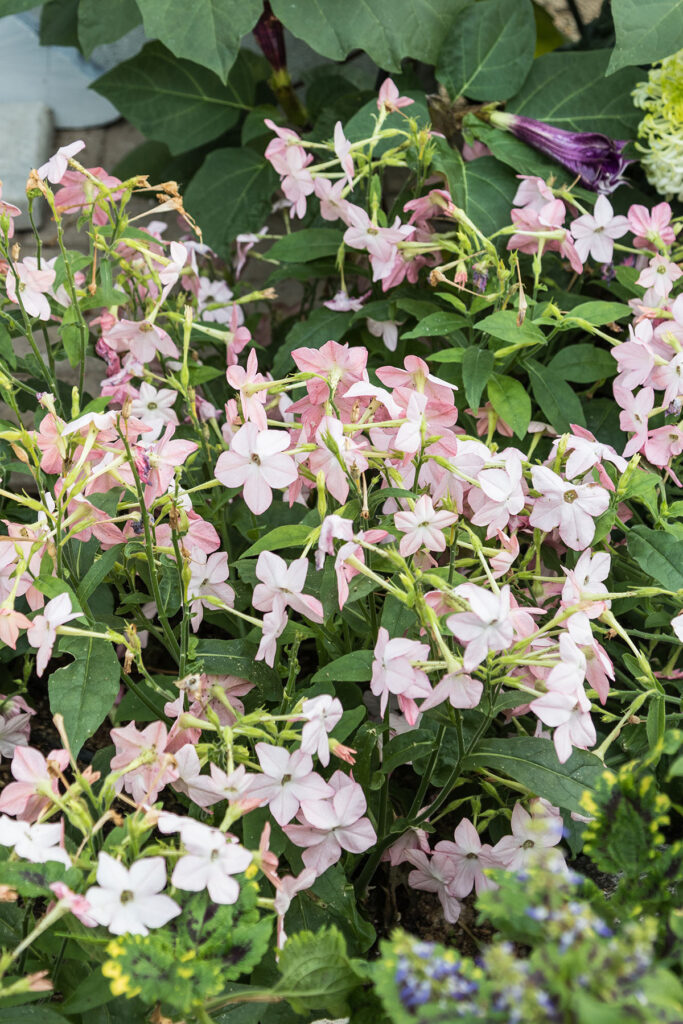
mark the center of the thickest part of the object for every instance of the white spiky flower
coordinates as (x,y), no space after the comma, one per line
(661,130)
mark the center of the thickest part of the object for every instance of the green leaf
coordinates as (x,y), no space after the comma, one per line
(489,50)
(582,364)
(448,355)
(599,313)
(175,101)
(293,536)
(236,658)
(482,188)
(59,23)
(510,400)
(436,325)
(646,30)
(93,991)
(229,194)
(84,691)
(659,554)
(315,972)
(555,397)
(477,367)
(207,32)
(100,23)
(503,326)
(13,6)
(388,30)
(533,762)
(70,334)
(99,569)
(406,748)
(31,1014)
(322,325)
(569,90)
(355,667)
(307,245)
(362,124)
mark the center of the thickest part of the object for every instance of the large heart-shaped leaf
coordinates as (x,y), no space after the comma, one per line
(207,32)
(647,30)
(483,188)
(489,50)
(659,554)
(100,23)
(176,101)
(84,691)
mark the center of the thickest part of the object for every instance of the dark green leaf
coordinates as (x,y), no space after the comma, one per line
(483,188)
(84,691)
(503,326)
(599,313)
(489,50)
(236,658)
(533,762)
(175,101)
(436,325)
(569,90)
(293,536)
(510,400)
(647,31)
(307,245)
(207,32)
(100,23)
(355,667)
(406,748)
(582,364)
(230,194)
(93,991)
(659,554)
(59,23)
(315,972)
(99,569)
(555,397)
(70,334)
(477,366)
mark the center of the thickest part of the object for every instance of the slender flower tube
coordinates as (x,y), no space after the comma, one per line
(596,157)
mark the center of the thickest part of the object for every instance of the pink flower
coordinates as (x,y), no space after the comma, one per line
(79,193)
(255,462)
(634,417)
(586,578)
(533,192)
(273,624)
(283,584)
(393,671)
(470,857)
(565,707)
(435,874)
(28,284)
(594,233)
(143,339)
(11,622)
(208,576)
(423,526)
(459,689)
(571,507)
(660,275)
(322,714)
(337,365)
(15,724)
(487,627)
(128,901)
(78,905)
(337,458)
(42,632)
(342,302)
(56,166)
(586,452)
(287,888)
(333,206)
(27,797)
(342,149)
(8,210)
(501,493)
(652,228)
(288,780)
(533,836)
(332,825)
(251,401)
(164,456)
(210,862)
(388,97)
(145,782)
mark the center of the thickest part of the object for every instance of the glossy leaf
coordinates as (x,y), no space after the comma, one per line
(511,401)
(355,667)
(582,364)
(84,691)
(646,30)
(477,366)
(659,554)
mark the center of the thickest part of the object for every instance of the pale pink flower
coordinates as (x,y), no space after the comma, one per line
(252,401)
(163,457)
(533,837)
(423,526)
(595,233)
(129,900)
(210,861)
(77,904)
(586,578)
(585,451)
(342,302)
(571,507)
(342,150)
(652,228)
(27,283)
(10,211)
(333,206)
(79,193)
(208,576)
(470,857)
(389,98)
(393,670)
(332,825)
(143,339)
(286,890)
(435,874)
(487,627)
(501,493)
(11,622)
(255,462)
(274,623)
(297,182)
(412,839)
(660,275)
(337,457)
(56,166)
(28,796)
(42,632)
(459,689)
(321,714)
(663,444)
(283,584)
(145,782)
(334,365)
(288,780)
(35,843)
(634,417)
(533,192)
(387,330)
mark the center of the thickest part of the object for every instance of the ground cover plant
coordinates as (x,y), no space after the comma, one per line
(326,614)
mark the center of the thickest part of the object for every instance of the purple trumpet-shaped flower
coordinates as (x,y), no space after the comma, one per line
(596,157)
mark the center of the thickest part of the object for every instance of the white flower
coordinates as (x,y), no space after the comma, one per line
(595,233)
(129,899)
(210,862)
(35,843)
(154,408)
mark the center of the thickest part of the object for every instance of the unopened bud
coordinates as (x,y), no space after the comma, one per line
(322,495)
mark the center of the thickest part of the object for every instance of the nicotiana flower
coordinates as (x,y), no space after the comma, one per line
(288,780)
(594,233)
(210,861)
(393,672)
(255,462)
(321,714)
(534,835)
(597,158)
(129,900)
(42,632)
(423,526)
(470,857)
(487,627)
(35,843)
(569,506)
(435,874)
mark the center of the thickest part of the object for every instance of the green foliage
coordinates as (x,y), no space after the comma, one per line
(192,959)
(84,691)
(511,401)
(316,973)
(659,554)
(647,31)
